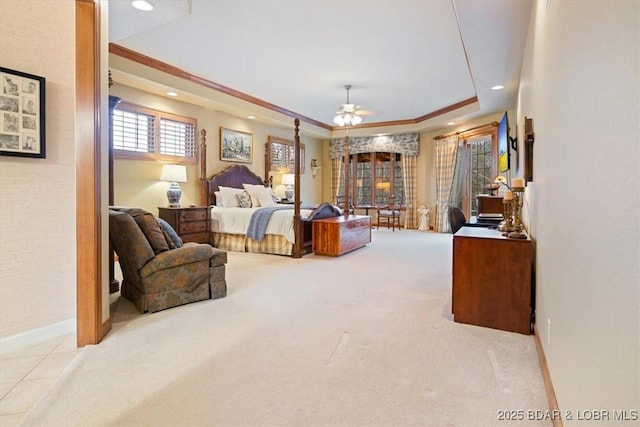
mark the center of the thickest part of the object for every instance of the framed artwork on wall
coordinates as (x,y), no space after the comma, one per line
(236,146)
(22,114)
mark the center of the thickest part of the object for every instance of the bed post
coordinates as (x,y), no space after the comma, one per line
(297,222)
(203,168)
(347,175)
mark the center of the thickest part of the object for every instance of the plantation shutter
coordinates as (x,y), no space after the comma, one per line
(144,133)
(177,138)
(133,131)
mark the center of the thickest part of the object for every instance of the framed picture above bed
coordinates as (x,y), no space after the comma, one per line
(236,146)
(22,110)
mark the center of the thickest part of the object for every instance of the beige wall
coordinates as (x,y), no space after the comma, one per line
(580,84)
(37,196)
(136,182)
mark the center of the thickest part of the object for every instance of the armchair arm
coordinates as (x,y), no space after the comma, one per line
(177,257)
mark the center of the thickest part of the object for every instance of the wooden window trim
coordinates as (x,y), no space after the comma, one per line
(156,155)
(374,178)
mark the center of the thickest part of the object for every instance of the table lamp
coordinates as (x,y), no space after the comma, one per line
(174,174)
(288,179)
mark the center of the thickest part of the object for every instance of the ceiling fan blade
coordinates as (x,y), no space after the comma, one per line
(365,112)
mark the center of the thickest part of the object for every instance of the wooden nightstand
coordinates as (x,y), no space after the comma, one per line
(191,223)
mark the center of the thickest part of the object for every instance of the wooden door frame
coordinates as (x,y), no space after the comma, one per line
(89,326)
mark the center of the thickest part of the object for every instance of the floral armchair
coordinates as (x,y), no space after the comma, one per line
(158,271)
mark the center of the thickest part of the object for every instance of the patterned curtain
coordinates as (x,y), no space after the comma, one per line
(460,176)
(409,175)
(446,150)
(405,144)
(336,172)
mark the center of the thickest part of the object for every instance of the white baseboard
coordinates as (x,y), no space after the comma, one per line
(35,336)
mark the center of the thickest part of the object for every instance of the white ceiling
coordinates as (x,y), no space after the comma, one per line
(405,59)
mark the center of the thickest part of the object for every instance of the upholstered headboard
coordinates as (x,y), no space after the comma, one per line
(233,176)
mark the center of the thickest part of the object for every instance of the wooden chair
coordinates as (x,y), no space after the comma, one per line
(389,215)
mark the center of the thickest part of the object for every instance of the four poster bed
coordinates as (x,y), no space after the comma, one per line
(245,217)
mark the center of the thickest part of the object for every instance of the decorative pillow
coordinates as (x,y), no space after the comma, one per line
(218,195)
(151,229)
(173,240)
(265,199)
(229,196)
(254,191)
(244,200)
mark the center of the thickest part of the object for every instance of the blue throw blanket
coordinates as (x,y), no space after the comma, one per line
(259,220)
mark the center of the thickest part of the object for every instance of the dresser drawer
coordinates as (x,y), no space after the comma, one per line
(196,237)
(193,215)
(192,227)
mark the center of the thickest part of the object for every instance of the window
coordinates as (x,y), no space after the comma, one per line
(481,170)
(376,176)
(144,133)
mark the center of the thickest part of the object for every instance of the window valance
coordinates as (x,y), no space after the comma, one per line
(405,143)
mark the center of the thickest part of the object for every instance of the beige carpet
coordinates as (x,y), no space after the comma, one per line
(366,339)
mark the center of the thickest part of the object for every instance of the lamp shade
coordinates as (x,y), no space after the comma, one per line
(288,179)
(174,173)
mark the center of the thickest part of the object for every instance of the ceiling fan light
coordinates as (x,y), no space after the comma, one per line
(347,115)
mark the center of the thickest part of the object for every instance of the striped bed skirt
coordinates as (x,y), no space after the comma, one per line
(272,244)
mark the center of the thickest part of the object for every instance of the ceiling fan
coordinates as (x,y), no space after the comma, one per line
(349,114)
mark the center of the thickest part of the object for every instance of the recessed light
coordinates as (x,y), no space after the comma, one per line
(172,94)
(143,5)
(497,87)
(251,117)
(451,123)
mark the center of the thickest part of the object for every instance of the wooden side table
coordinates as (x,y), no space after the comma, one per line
(191,223)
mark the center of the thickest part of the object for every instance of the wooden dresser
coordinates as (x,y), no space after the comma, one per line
(191,223)
(339,235)
(492,280)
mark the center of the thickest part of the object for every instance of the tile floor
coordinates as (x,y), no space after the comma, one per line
(27,374)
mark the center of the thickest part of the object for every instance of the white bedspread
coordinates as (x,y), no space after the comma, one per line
(236,221)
